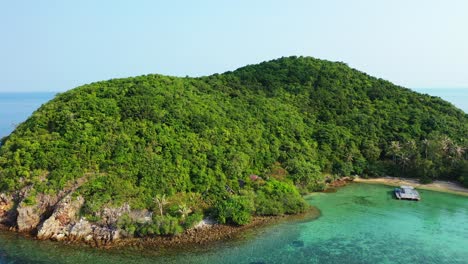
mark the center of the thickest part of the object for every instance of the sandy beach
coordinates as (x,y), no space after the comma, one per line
(440,186)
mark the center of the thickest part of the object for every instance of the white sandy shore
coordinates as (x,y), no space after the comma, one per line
(440,186)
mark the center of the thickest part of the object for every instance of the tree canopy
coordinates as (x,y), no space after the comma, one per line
(292,121)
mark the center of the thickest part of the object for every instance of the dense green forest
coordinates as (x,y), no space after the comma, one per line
(232,145)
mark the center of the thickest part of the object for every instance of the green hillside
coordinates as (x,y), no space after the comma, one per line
(200,143)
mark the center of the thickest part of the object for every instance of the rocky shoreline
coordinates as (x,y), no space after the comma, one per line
(195,236)
(56,218)
(337,183)
(213,233)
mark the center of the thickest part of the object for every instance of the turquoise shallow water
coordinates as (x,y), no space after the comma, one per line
(361,223)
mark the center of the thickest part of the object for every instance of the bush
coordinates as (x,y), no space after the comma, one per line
(305,175)
(266,206)
(126,224)
(235,210)
(30,199)
(191,220)
(276,198)
(166,225)
(462,172)
(425,180)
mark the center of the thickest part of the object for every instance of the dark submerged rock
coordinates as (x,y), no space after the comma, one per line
(297,243)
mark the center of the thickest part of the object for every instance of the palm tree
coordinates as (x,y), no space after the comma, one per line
(161,201)
(425,143)
(394,149)
(446,142)
(459,151)
(184,210)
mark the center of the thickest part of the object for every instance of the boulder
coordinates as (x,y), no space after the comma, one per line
(81,230)
(104,235)
(51,228)
(205,223)
(141,216)
(28,217)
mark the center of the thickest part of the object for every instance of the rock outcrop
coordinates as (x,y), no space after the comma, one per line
(110,216)
(81,230)
(30,216)
(205,223)
(141,216)
(7,212)
(103,235)
(58,218)
(57,226)
(64,225)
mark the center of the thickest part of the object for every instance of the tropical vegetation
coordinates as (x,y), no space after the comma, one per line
(231,145)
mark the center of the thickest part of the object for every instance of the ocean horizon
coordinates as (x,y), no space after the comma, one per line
(16,107)
(457,96)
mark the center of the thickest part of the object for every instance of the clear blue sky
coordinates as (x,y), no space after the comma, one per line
(58,45)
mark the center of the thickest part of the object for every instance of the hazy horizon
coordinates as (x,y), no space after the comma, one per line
(62,91)
(58,45)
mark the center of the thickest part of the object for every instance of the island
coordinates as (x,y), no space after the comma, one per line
(157,156)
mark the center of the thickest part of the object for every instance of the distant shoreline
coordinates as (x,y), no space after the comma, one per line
(439,186)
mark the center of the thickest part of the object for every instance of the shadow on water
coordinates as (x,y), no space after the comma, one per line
(391,194)
(330,190)
(363,200)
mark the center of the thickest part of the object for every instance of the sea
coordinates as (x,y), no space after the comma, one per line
(360,223)
(457,96)
(17,107)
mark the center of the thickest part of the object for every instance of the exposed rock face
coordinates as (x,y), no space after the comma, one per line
(28,217)
(6,202)
(340,182)
(63,224)
(205,223)
(104,235)
(57,226)
(56,217)
(7,213)
(110,216)
(81,230)
(141,216)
